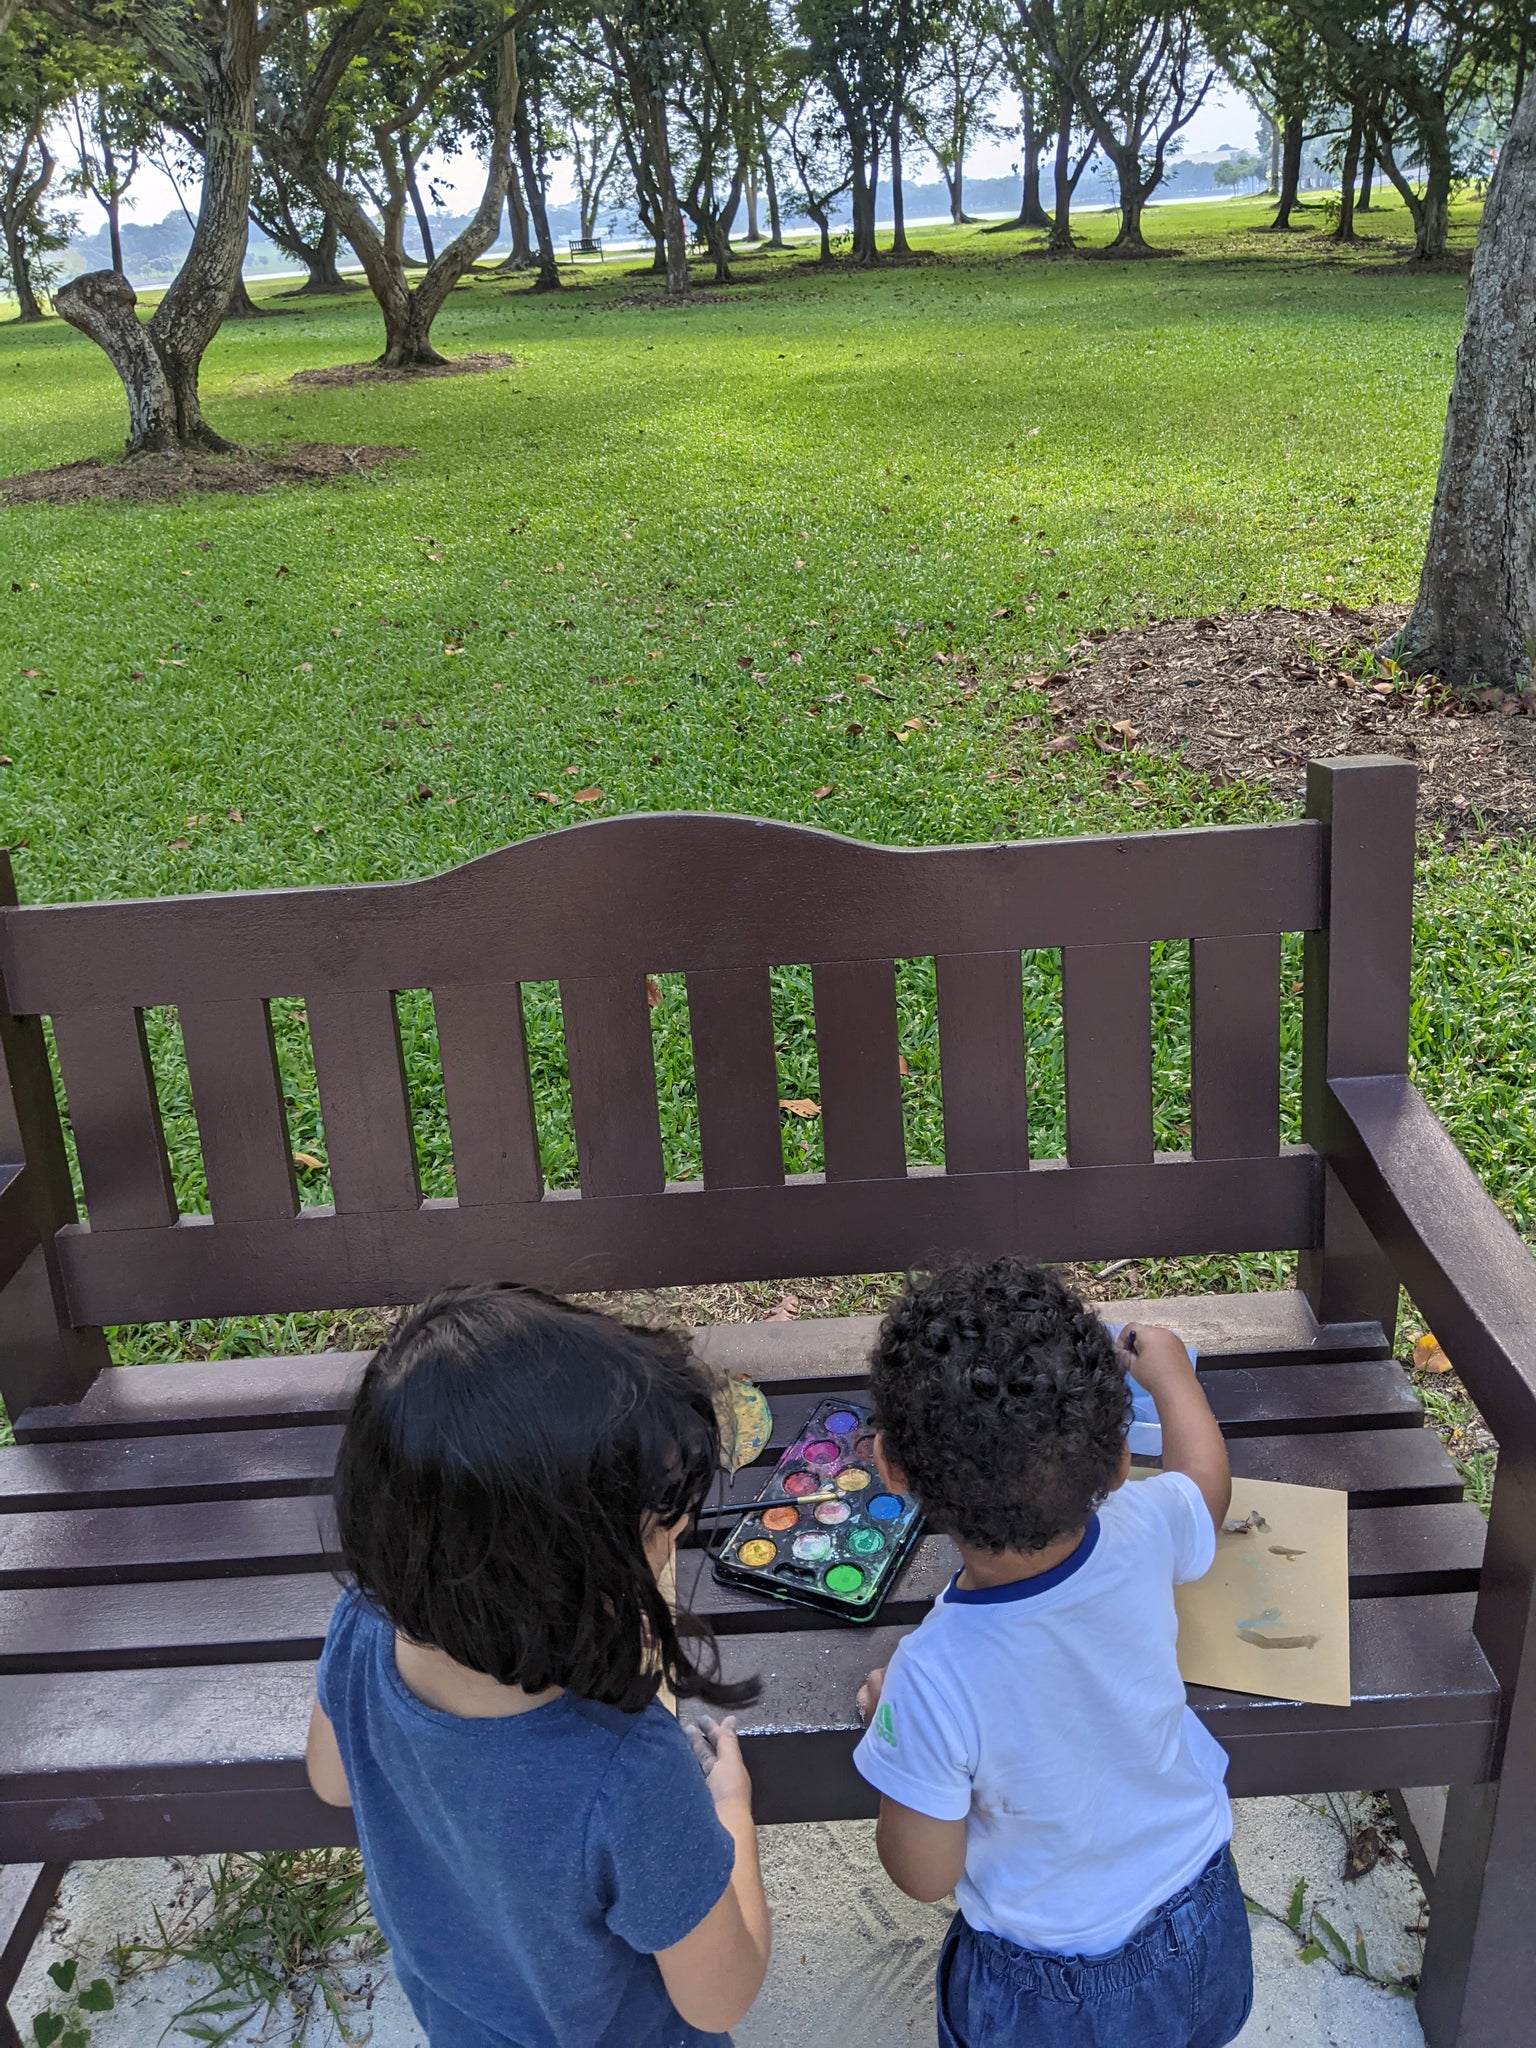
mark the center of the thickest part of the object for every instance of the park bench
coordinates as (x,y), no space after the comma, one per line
(165,1546)
(587,245)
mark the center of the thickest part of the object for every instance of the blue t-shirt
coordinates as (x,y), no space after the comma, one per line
(524,1870)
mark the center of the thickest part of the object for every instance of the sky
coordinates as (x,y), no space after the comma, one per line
(1226,117)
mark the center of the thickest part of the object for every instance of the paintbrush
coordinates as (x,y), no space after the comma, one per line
(727,1509)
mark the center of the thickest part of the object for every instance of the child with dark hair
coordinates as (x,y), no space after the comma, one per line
(550,1864)
(1030,1740)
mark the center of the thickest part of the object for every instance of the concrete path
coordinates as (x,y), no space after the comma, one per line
(853,1959)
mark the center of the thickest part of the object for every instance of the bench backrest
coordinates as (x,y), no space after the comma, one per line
(720,900)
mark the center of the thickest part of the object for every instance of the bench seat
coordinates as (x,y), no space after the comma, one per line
(167,1558)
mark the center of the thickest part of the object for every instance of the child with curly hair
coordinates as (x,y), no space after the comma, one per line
(1030,1741)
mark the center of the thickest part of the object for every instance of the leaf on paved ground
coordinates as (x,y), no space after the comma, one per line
(587,796)
(800,1105)
(1298,1896)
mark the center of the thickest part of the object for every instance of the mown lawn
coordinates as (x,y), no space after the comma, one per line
(710,559)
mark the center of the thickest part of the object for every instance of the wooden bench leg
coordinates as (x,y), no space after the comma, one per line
(1478,1989)
(27,1890)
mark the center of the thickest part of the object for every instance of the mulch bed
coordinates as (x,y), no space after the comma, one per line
(149,478)
(375,373)
(1252,696)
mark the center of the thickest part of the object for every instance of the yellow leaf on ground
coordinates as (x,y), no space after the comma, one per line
(800,1105)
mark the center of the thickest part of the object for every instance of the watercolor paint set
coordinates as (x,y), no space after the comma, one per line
(824,1532)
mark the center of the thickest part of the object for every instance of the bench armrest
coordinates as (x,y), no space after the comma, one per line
(1467,1269)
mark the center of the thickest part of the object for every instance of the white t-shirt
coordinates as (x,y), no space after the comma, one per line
(1049,1715)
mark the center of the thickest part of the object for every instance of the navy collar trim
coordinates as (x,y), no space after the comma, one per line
(1027,1589)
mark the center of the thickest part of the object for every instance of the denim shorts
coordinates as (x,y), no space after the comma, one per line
(1184,1979)
(445,2026)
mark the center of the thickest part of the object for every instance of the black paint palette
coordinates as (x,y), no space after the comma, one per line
(824,1532)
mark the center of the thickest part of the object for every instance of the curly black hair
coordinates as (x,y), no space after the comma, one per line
(1004,1401)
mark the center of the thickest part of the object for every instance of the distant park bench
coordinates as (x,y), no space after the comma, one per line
(166,1546)
(587,245)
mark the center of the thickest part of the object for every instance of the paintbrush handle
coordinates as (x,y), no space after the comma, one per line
(751,1507)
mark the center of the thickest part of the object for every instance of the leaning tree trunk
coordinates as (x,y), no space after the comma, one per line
(548,279)
(159,364)
(1475,619)
(520,254)
(1365,202)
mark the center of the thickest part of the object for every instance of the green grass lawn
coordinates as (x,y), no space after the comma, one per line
(711,559)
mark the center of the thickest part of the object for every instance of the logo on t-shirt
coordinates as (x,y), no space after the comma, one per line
(884,1723)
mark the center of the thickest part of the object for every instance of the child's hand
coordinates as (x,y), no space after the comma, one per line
(1154,1356)
(869,1695)
(718,1751)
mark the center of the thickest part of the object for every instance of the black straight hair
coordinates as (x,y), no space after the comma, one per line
(504,1456)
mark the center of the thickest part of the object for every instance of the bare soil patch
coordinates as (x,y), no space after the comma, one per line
(375,373)
(1253,696)
(147,479)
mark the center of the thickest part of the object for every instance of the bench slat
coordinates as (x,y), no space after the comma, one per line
(166,1761)
(1106,1003)
(1232,1331)
(1234,1047)
(237,1093)
(730,1019)
(482,1045)
(858,1058)
(1379,1468)
(612,1067)
(210,1466)
(206,1539)
(364,1103)
(1394,1552)
(115,1116)
(981,1062)
(138,1470)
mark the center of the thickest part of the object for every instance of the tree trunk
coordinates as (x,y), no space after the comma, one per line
(1032,213)
(1367,179)
(753,233)
(102,305)
(159,364)
(899,243)
(1274,158)
(320,261)
(1293,137)
(1061,241)
(241,305)
(1475,619)
(115,230)
(1130,241)
(672,230)
(548,279)
(1345,231)
(865,253)
(21,276)
(520,254)
(771,187)
(823,228)
(423,225)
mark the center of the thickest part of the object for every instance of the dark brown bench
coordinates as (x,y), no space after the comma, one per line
(164,1540)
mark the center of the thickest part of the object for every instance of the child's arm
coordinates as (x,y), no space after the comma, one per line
(322,1760)
(921,1856)
(1192,1439)
(713,1974)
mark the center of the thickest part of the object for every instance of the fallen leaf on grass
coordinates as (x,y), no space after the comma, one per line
(901,1064)
(653,991)
(546,796)
(784,1310)
(1069,743)
(825,790)
(1128,732)
(308,1159)
(800,1105)
(587,796)
(179,845)
(1427,1355)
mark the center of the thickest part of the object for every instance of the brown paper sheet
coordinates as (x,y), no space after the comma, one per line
(1271,1617)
